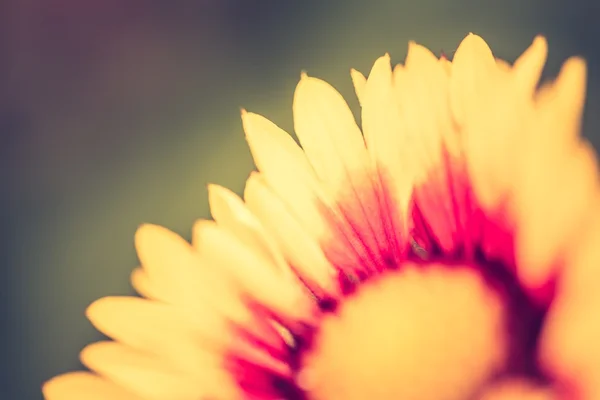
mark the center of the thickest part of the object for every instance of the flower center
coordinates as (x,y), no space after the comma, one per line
(423,332)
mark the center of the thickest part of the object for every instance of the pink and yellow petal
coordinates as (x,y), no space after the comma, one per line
(288,174)
(387,142)
(300,249)
(441,198)
(335,148)
(256,277)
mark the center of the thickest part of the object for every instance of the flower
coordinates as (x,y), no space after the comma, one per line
(447,251)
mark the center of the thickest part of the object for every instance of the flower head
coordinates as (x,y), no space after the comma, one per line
(445,251)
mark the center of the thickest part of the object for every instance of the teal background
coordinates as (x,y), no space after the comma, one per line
(114,113)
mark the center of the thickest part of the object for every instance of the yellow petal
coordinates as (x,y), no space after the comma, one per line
(550,211)
(140,281)
(164,255)
(569,341)
(503,65)
(446,65)
(566,98)
(150,378)
(386,135)
(529,66)
(472,66)
(274,151)
(286,171)
(327,131)
(335,148)
(281,294)
(496,110)
(359,81)
(437,145)
(284,166)
(179,277)
(425,107)
(494,122)
(298,246)
(159,328)
(231,213)
(84,385)
(472,81)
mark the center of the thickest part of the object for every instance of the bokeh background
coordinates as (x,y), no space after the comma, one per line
(114,113)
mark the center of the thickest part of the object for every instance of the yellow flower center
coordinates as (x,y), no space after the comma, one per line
(429,332)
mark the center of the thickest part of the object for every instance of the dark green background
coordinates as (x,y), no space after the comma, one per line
(114,113)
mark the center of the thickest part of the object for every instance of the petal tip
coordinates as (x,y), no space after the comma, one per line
(53,387)
(217,195)
(95,306)
(213,193)
(575,67)
(147,233)
(144,229)
(571,81)
(357,76)
(540,40)
(540,46)
(475,41)
(411,46)
(91,310)
(212,187)
(419,55)
(473,52)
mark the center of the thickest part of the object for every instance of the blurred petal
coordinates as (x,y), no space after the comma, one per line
(84,385)
(440,187)
(359,81)
(150,378)
(285,168)
(278,158)
(569,342)
(545,227)
(472,67)
(529,66)
(518,389)
(301,250)
(231,213)
(387,142)
(334,145)
(159,328)
(255,275)
(328,133)
(175,273)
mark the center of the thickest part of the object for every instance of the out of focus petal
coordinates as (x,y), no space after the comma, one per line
(359,81)
(472,66)
(552,148)
(149,377)
(85,385)
(569,345)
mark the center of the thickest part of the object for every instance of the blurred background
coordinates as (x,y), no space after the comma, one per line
(114,113)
